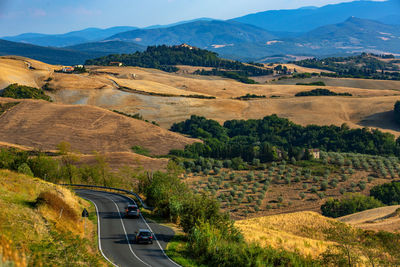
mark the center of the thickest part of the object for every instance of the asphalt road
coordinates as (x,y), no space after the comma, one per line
(116,233)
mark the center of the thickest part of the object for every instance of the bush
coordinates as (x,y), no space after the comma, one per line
(352,203)
(24,169)
(24,92)
(389,193)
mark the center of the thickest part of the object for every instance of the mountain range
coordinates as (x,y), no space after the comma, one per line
(70,38)
(308,18)
(330,30)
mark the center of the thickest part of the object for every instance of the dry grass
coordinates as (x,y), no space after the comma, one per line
(29,226)
(9,256)
(118,160)
(302,232)
(86,128)
(370,105)
(379,219)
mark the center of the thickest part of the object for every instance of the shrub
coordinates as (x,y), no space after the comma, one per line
(352,203)
(24,92)
(24,169)
(387,193)
(324,185)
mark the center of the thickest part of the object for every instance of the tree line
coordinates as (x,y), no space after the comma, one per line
(271,138)
(167,57)
(321,92)
(362,66)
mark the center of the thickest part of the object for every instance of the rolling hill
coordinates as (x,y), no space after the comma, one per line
(49,55)
(203,34)
(68,39)
(307,19)
(355,34)
(99,130)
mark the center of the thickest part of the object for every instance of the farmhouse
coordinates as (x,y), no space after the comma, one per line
(119,64)
(315,153)
(68,69)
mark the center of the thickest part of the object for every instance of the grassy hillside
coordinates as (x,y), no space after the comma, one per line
(332,242)
(300,231)
(99,130)
(40,224)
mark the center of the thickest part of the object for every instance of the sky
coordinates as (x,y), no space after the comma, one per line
(60,16)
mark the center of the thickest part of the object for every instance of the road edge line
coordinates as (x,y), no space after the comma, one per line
(98,232)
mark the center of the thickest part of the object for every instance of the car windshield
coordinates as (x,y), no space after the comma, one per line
(145,234)
(132,208)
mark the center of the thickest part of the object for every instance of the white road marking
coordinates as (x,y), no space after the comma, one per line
(126,234)
(98,232)
(159,245)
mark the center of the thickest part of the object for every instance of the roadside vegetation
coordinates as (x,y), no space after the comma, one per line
(211,238)
(23,92)
(40,225)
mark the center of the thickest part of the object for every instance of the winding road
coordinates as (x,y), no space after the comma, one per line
(116,232)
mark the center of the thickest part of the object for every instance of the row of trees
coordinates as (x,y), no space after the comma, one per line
(272,137)
(361,66)
(64,169)
(321,92)
(162,56)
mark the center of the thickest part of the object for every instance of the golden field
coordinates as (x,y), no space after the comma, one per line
(370,105)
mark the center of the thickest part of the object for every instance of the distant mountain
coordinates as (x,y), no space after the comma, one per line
(109,47)
(46,54)
(176,23)
(68,39)
(355,35)
(307,19)
(203,34)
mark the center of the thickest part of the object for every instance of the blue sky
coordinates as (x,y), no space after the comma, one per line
(60,16)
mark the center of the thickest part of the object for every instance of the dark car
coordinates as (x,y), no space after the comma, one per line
(132,211)
(144,236)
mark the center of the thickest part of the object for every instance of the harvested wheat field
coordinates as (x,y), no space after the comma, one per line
(379,219)
(300,231)
(19,70)
(164,97)
(43,125)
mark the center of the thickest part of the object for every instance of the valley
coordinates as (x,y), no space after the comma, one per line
(270,139)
